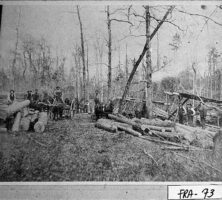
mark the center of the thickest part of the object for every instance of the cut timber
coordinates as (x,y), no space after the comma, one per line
(7,111)
(42,122)
(160,113)
(160,141)
(122,124)
(187,128)
(129,131)
(174,137)
(121,119)
(157,122)
(156,128)
(193,129)
(25,111)
(34,117)
(106,124)
(17,120)
(187,135)
(175,148)
(25,123)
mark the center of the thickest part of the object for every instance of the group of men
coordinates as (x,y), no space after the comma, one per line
(56,101)
(101,109)
(187,114)
(36,97)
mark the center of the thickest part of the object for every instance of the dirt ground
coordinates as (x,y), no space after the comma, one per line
(74,150)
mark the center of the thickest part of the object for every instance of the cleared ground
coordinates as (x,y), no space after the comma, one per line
(74,150)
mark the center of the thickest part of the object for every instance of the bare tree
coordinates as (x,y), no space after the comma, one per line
(148,93)
(109,52)
(82,53)
(15,52)
(145,48)
(110,19)
(99,51)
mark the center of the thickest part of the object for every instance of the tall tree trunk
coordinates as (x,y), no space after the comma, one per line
(87,66)
(136,64)
(82,54)
(1,9)
(15,51)
(126,65)
(149,92)
(109,53)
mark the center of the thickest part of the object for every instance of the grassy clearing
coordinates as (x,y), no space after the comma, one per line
(77,151)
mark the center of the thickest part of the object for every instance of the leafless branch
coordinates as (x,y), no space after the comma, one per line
(117,10)
(170,22)
(121,20)
(199,15)
(206,21)
(137,15)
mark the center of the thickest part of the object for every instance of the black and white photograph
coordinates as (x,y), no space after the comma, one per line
(110,92)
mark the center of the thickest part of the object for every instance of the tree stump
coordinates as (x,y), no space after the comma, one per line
(25,123)
(39,126)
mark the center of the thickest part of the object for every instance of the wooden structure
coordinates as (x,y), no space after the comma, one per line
(134,104)
(184,97)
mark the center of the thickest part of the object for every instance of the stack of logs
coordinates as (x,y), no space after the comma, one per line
(22,118)
(163,130)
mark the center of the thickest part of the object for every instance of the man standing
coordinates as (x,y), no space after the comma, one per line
(58,101)
(11,97)
(58,95)
(203,113)
(190,114)
(36,96)
(181,113)
(29,95)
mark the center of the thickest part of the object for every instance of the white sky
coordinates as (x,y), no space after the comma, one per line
(61,29)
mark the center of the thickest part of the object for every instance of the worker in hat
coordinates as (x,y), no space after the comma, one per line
(181,113)
(190,114)
(11,97)
(203,113)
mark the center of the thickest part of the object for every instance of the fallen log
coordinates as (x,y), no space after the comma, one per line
(175,148)
(121,119)
(187,128)
(160,141)
(129,131)
(193,129)
(106,125)
(174,137)
(156,122)
(7,111)
(39,126)
(34,117)
(187,135)
(156,128)
(213,126)
(122,124)
(16,124)
(25,112)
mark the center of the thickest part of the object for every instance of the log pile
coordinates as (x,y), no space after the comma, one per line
(164,130)
(18,117)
